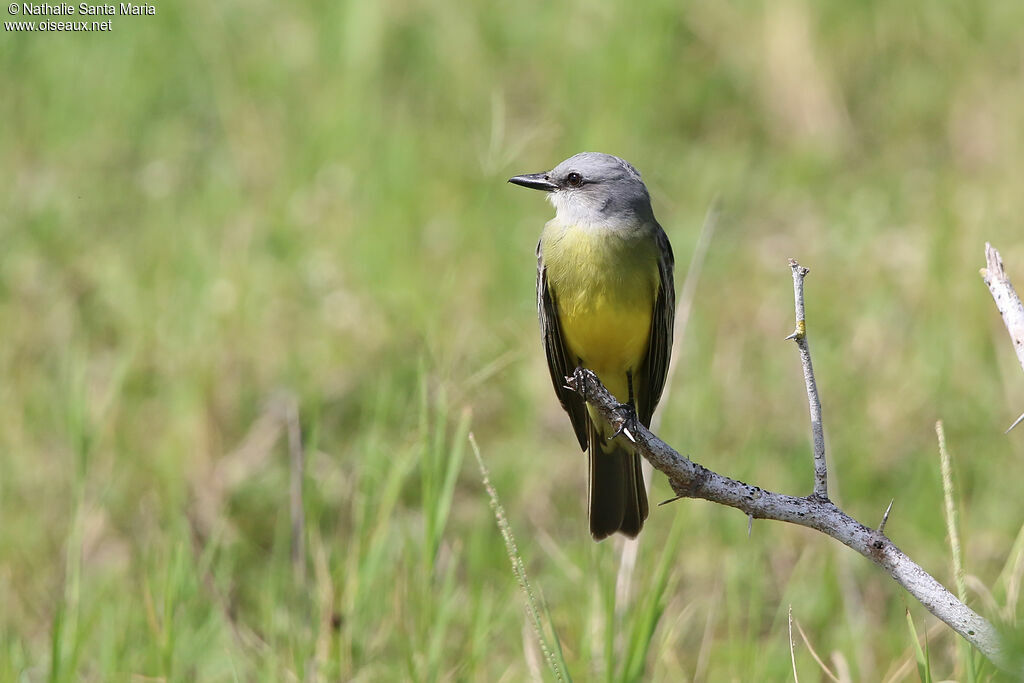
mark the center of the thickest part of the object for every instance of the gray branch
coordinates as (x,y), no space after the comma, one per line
(689,479)
(813,402)
(1007,302)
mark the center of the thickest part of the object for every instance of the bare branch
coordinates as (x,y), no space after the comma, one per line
(692,480)
(689,479)
(814,403)
(1006,299)
(1007,302)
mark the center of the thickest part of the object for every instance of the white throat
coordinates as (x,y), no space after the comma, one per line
(572,208)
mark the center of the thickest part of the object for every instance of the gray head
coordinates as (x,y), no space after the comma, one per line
(593,188)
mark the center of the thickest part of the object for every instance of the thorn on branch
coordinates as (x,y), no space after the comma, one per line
(799,333)
(885,517)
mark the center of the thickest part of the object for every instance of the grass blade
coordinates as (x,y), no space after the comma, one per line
(924,669)
(534,605)
(952,527)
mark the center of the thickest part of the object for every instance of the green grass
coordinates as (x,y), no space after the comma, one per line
(212,208)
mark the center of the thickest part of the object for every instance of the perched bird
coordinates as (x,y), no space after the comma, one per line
(606,302)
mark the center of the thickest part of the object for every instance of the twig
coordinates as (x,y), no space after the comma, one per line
(1007,302)
(1006,298)
(692,480)
(814,403)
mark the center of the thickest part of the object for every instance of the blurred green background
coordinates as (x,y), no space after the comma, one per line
(235,223)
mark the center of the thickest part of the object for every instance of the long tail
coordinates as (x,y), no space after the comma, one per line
(617,497)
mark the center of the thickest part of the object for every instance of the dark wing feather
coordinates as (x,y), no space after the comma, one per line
(560,365)
(659,347)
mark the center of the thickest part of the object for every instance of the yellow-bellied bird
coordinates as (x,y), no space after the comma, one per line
(606,302)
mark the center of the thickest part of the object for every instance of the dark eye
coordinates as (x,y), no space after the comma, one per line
(574,179)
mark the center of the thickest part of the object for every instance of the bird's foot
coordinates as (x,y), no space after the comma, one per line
(627,422)
(577,381)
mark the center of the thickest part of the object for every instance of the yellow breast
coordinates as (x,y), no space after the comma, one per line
(605,284)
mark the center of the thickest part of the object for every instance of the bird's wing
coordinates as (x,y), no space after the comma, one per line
(659,347)
(560,364)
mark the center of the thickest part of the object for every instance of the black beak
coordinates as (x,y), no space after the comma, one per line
(536,181)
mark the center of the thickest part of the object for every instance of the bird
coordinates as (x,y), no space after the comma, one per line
(606,302)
